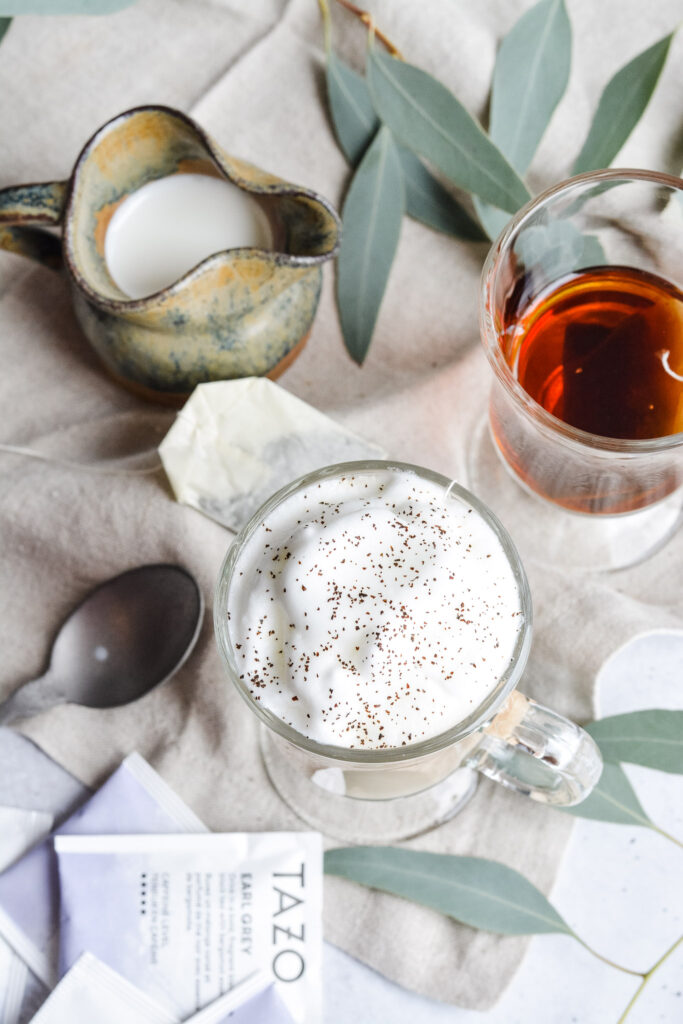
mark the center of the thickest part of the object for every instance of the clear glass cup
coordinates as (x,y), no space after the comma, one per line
(371,795)
(607,502)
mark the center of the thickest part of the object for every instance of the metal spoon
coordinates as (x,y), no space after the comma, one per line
(127,635)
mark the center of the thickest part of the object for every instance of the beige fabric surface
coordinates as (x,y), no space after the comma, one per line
(251,73)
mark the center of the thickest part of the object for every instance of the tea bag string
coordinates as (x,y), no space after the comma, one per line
(89,467)
(449,490)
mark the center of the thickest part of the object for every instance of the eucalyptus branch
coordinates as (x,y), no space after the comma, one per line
(327,24)
(369,23)
(606,960)
(667,835)
(646,978)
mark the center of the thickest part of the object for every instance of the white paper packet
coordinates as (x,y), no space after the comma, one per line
(264,1007)
(133,799)
(13,980)
(92,993)
(19,831)
(185,918)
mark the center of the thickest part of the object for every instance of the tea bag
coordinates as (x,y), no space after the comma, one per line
(236,442)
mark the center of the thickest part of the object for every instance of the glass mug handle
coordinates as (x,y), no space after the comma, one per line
(534,750)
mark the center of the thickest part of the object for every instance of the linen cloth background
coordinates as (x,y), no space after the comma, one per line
(251,72)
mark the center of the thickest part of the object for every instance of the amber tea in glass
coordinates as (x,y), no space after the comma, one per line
(582,322)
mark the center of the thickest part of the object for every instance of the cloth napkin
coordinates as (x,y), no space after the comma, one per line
(252,74)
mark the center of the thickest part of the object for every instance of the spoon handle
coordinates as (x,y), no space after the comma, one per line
(30,699)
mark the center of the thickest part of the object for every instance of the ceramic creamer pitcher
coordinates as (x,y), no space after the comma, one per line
(242,312)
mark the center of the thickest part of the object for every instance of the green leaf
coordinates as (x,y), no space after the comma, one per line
(355,124)
(556,249)
(353,115)
(652,738)
(371,217)
(592,254)
(4,25)
(63,6)
(428,119)
(612,799)
(477,892)
(432,204)
(621,105)
(529,80)
(493,219)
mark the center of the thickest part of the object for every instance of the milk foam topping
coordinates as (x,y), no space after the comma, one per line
(373,610)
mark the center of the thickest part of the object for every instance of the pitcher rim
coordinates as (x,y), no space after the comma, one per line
(147,301)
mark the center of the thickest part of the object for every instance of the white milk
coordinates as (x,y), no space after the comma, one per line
(170,225)
(373,612)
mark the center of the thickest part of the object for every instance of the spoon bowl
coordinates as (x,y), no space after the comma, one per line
(128,635)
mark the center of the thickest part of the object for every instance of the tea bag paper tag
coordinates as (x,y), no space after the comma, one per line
(236,442)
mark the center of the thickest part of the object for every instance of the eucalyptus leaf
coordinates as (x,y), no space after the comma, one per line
(621,105)
(63,6)
(493,219)
(613,799)
(551,249)
(529,80)
(652,738)
(371,216)
(355,124)
(427,118)
(429,202)
(4,25)
(480,893)
(353,115)
(592,254)
(555,249)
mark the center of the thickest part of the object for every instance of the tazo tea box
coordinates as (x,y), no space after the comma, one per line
(186,917)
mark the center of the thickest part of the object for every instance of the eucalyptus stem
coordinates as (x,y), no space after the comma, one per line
(667,835)
(606,960)
(369,23)
(327,24)
(646,978)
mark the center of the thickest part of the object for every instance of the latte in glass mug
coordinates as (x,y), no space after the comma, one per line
(376,618)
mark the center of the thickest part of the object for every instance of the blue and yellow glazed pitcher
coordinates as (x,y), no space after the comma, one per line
(242,312)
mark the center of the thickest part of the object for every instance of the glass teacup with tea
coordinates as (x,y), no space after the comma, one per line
(582,323)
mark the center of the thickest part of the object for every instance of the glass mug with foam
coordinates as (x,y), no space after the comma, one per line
(582,323)
(376,618)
